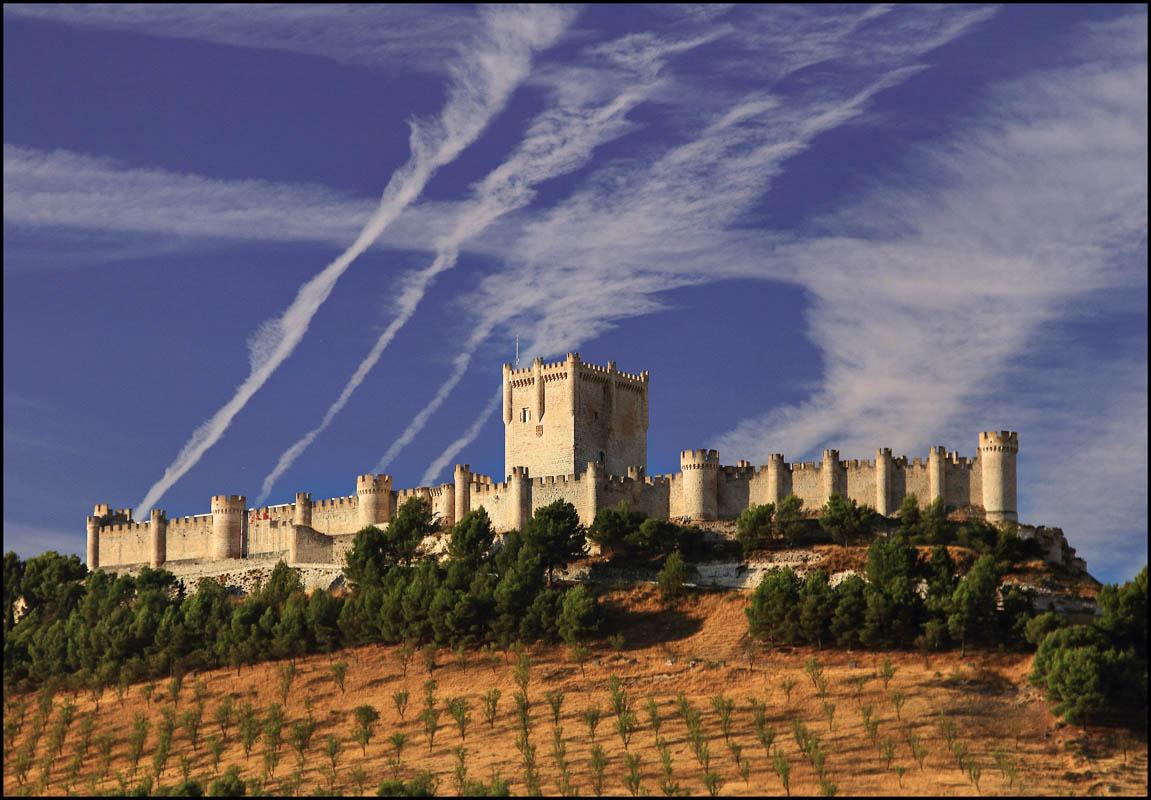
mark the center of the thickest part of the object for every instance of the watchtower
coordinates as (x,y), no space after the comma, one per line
(227,526)
(997,452)
(559,416)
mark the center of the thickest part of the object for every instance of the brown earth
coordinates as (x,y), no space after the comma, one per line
(699,649)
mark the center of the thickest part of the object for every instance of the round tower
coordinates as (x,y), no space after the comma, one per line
(936,480)
(158,535)
(700,483)
(463,487)
(374,499)
(778,483)
(302,511)
(227,525)
(593,479)
(519,495)
(883,481)
(997,451)
(93,557)
(829,475)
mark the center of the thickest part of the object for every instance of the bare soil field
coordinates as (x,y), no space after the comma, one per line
(699,649)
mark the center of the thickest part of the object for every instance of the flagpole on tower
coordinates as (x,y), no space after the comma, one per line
(517,352)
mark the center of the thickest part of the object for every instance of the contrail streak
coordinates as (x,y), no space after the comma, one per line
(480,87)
(436,467)
(459,367)
(557,142)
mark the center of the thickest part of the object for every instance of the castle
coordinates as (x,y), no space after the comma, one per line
(573,431)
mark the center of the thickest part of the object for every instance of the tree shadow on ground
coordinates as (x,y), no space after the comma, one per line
(646,628)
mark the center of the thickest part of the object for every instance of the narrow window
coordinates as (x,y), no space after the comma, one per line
(525,415)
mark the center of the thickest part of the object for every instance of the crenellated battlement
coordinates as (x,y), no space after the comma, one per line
(575,432)
(336,503)
(999,441)
(228,502)
(124,527)
(699,457)
(373,484)
(552,480)
(489,488)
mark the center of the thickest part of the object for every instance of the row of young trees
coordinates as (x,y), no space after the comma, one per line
(101,628)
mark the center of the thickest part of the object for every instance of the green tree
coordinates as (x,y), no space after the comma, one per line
(817,605)
(789,519)
(754,527)
(614,525)
(941,582)
(844,520)
(773,612)
(850,609)
(673,577)
(933,524)
(472,539)
(366,717)
(368,559)
(1042,624)
(413,521)
(973,603)
(579,617)
(894,608)
(229,785)
(909,517)
(556,534)
(1123,613)
(339,672)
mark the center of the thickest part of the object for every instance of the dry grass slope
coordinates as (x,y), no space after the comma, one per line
(698,649)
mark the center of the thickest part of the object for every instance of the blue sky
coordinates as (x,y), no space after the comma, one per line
(265,249)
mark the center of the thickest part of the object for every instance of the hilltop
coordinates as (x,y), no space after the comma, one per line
(697,648)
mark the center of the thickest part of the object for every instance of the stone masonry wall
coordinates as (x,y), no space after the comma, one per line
(538,419)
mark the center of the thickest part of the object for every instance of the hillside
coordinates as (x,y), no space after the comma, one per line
(699,649)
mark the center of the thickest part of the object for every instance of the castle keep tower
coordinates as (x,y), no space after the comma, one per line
(227,525)
(560,416)
(997,451)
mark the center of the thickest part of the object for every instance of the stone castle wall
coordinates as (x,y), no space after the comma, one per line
(575,432)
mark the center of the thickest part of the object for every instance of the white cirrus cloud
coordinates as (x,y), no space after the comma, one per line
(389,36)
(481,83)
(639,228)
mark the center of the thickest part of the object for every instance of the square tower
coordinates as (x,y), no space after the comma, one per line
(559,416)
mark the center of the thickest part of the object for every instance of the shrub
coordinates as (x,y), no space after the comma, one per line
(422,785)
(673,577)
(229,785)
(1042,624)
